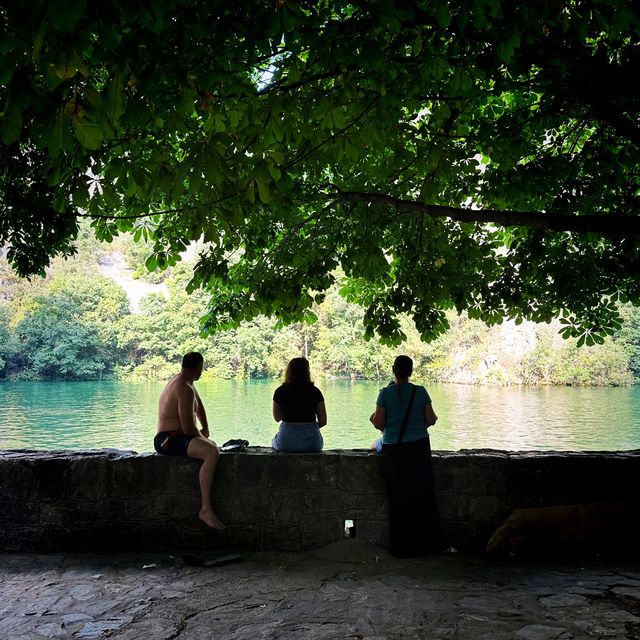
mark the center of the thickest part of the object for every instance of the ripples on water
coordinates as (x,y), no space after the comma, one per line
(68,415)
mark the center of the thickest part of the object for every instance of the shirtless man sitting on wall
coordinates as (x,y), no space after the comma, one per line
(178,435)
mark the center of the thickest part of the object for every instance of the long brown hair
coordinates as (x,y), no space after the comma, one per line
(298,372)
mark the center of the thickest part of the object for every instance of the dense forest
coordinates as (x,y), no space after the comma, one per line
(79,323)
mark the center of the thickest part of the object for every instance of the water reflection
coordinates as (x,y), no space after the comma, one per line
(54,415)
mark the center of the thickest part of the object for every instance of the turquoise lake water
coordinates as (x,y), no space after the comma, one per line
(73,415)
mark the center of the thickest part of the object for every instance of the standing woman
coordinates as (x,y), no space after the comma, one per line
(404,413)
(299,407)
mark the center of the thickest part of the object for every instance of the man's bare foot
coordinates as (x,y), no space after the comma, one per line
(210,519)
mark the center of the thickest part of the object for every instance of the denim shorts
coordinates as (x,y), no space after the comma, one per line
(298,437)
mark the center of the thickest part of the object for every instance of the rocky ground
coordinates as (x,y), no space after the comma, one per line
(346,590)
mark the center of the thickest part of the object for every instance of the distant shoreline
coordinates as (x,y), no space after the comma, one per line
(276,380)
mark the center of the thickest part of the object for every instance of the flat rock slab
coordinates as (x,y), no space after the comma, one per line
(345,590)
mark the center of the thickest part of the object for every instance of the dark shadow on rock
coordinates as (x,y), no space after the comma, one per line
(603,528)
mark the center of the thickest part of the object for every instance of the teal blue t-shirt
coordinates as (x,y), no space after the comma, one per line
(395,399)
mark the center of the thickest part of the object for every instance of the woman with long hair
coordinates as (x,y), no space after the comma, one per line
(403,413)
(298,405)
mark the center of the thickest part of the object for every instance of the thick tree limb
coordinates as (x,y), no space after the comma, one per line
(605,224)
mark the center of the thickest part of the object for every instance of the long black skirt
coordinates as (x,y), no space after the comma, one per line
(407,470)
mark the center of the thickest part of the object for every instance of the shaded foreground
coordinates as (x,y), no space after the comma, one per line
(348,589)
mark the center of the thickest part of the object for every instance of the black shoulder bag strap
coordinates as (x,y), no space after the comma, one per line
(406,415)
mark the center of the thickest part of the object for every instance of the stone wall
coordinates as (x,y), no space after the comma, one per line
(116,500)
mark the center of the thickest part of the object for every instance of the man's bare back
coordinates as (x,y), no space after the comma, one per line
(168,405)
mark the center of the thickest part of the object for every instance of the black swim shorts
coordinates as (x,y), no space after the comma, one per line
(172,443)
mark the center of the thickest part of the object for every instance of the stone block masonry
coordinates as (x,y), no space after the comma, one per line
(108,500)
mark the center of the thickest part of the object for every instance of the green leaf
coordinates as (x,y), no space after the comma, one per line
(217,123)
(89,133)
(60,201)
(250,193)
(234,117)
(236,215)
(187,102)
(443,16)
(263,191)
(275,26)
(211,168)
(10,123)
(11,44)
(293,74)
(65,14)
(124,224)
(277,156)
(111,37)
(274,171)
(68,64)
(416,47)
(115,103)
(7,67)
(439,67)
(93,101)
(81,196)
(338,118)
(505,51)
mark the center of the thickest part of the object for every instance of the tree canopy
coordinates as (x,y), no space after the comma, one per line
(476,155)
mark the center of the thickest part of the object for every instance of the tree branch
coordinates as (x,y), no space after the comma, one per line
(184,209)
(605,224)
(115,216)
